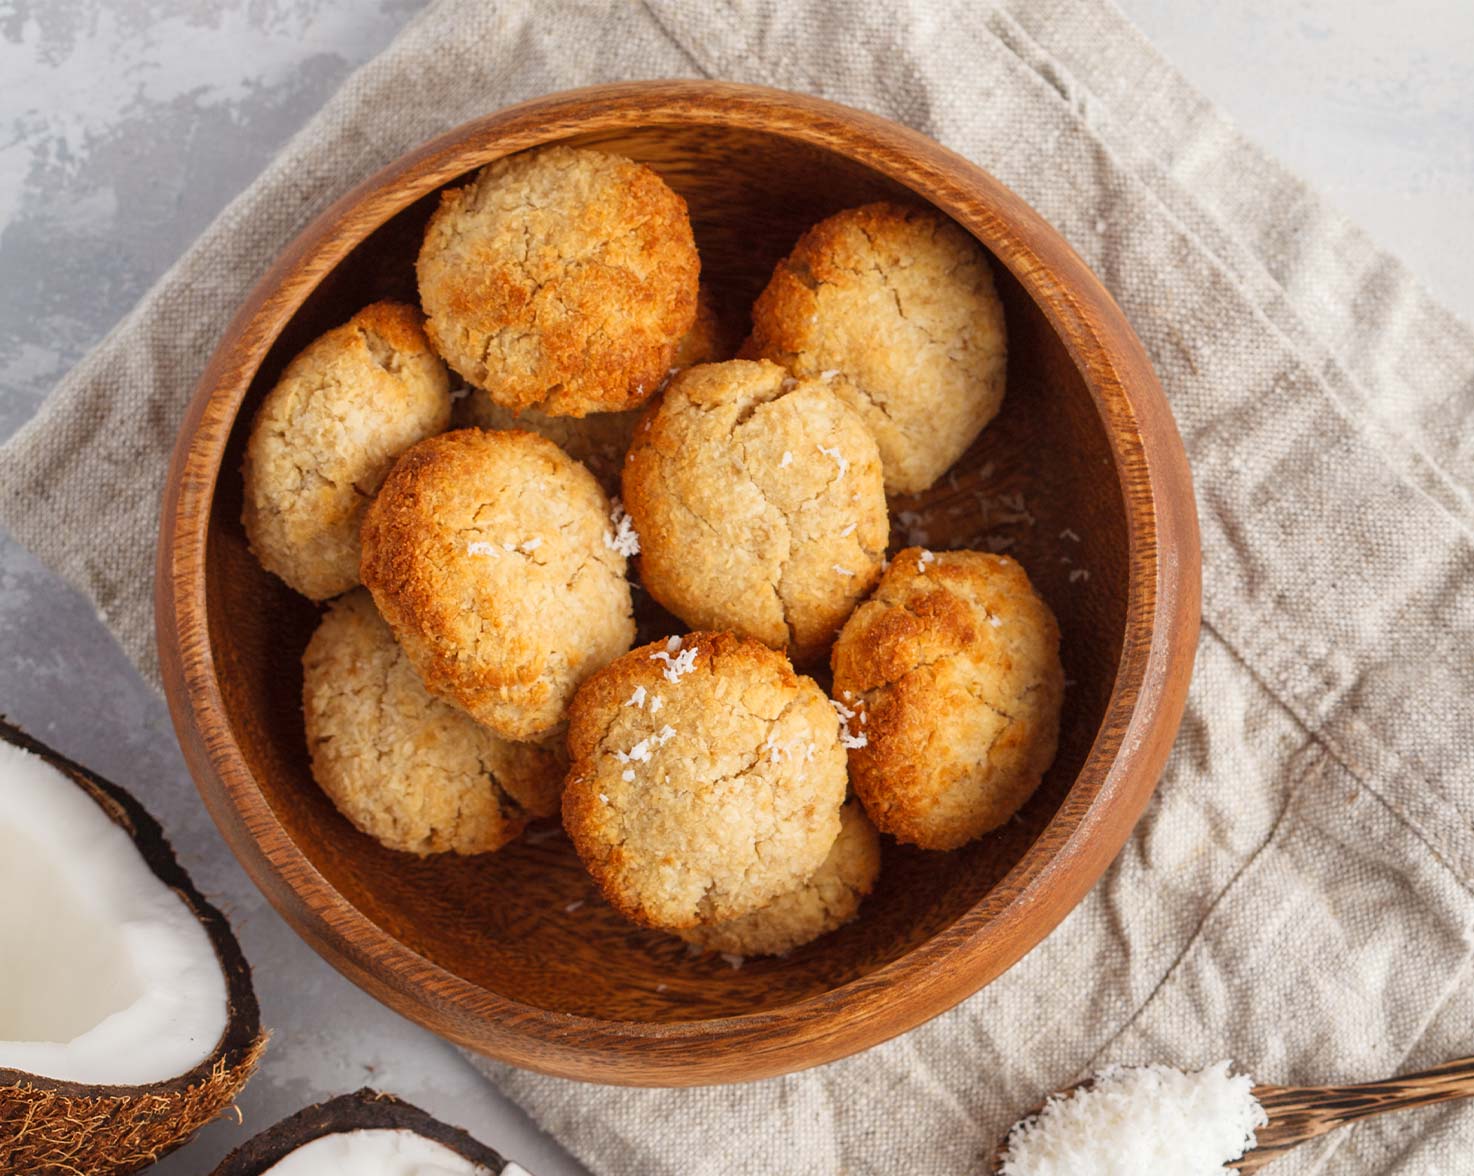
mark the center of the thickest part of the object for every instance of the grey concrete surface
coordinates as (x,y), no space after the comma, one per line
(125,125)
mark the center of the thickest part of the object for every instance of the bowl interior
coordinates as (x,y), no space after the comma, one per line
(527,923)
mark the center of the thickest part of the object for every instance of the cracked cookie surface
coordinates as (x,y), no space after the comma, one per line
(706,779)
(952,669)
(491,555)
(826,900)
(759,504)
(326,435)
(899,305)
(560,280)
(414,773)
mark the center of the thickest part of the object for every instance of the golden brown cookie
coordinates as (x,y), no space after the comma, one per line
(414,773)
(325,436)
(897,307)
(759,505)
(493,559)
(560,280)
(828,899)
(601,439)
(953,676)
(706,779)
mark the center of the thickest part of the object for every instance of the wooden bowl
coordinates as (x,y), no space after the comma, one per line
(1082,477)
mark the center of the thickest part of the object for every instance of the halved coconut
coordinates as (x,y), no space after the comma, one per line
(127,1017)
(364,1134)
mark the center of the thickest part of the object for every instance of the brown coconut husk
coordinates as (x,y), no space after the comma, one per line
(71,1128)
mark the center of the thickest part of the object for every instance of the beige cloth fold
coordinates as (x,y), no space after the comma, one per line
(1300,895)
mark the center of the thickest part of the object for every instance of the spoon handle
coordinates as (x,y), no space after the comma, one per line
(1300,1113)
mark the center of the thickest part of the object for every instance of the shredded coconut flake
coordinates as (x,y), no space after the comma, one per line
(996,622)
(842,571)
(1079,574)
(1070,535)
(733,961)
(1140,1119)
(786,461)
(637,698)
(656,702)
(675,667)
(603,799)
(846,713)
(481,547)
(925,558)
(627,775)
(672,643)
(573,906)
(532,544)
(838,458)
(849,530)
(623,537)
(828,373)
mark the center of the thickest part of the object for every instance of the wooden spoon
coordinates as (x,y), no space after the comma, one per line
(1298,1114)
(1301,1113)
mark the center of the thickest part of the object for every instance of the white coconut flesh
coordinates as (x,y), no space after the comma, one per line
(377,1151)
(107,976)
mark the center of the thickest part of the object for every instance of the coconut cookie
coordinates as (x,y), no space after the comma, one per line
(325,437)
(492,557)
(560,280)
(759,504)
(828,899)
(953,676)
(897,306)
(412,772)
(706,779)
(601,439)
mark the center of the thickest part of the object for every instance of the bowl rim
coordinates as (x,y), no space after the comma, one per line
(1102,805)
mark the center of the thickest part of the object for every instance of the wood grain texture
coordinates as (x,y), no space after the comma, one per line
(1298,1114)
(485,951)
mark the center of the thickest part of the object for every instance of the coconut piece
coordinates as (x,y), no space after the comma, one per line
(131,1022)
(364,1134)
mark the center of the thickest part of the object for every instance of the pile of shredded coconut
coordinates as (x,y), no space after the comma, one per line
(1137,1120)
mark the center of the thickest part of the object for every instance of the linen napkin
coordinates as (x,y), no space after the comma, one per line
(1298,897)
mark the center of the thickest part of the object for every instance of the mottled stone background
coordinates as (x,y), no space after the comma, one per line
(125,125)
